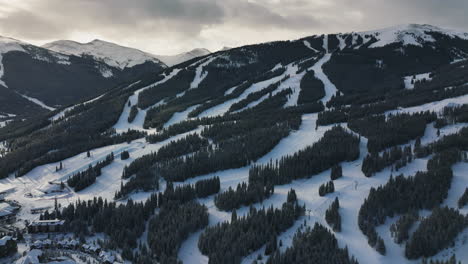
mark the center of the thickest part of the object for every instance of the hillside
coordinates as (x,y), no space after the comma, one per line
(340,148)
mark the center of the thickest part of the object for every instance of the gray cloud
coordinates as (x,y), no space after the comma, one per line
(165,26)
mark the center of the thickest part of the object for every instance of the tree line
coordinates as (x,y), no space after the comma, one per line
(384,132)
(229,242)
(313,245)
(337,145)
(83,179)
(435,233)
(400,195)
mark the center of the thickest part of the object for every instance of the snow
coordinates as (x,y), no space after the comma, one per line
(458,186)
(171,60)
(224,107)
(200,75)
(351,189)
(330,88)
(7,45)
(62,113)
(112,54)
(308,45)
(293,82)
(4,123)
(409,34)
(123,125)
(342,44)
(38,102)
(325,43)
(180,116)
(436,106)
(415,78)
(32,257)
(27,189)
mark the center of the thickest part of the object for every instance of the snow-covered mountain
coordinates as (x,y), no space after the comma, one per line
(333,117)
(112,54)
(171,60)
(407,34)
(35,79)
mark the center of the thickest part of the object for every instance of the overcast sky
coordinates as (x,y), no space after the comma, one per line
(172,26)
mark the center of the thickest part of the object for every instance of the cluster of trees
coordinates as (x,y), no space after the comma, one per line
(332,215)
(435,233)
(314,159)
(235,152)
(83,179)
(146,176)
(229,242)
(400,229)
(123,223)
(176,84)
(384,132)
(337,145)
(336,172)
(326,188)
(375,162)
(317,245)
(173,149)
(67,138)
(454,141)
(244,194)
(312,89)
(188,192)
(145,179)
(238,90)
(133,113)
(401,195)
(333,116)
(252,97)
(124,155)
(463,199)
(455,114)
(207,187)
(452,260)
(171,226)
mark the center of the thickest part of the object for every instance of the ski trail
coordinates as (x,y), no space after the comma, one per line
(199,74)
(308,45)
(330,88)
(37,102)
(325,43)
(123,125)
(180,116)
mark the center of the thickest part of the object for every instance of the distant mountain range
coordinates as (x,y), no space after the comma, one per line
(37,79)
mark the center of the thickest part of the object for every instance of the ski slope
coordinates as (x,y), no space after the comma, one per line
(330,88)
(123,125)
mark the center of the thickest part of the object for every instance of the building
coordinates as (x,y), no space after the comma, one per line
(45,226)
(7,246)
(7,211)
(39,210)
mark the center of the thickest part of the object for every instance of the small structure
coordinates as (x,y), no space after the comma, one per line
(7,246)
(40,210)
(7,211)
(45,226)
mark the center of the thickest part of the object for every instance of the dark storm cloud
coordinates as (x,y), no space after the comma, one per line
(173,25)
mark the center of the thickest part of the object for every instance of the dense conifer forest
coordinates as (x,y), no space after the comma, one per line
(85,178)
(228,242)
(314,245)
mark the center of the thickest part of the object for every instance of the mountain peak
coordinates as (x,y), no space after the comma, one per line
(408,34)
(112,54)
